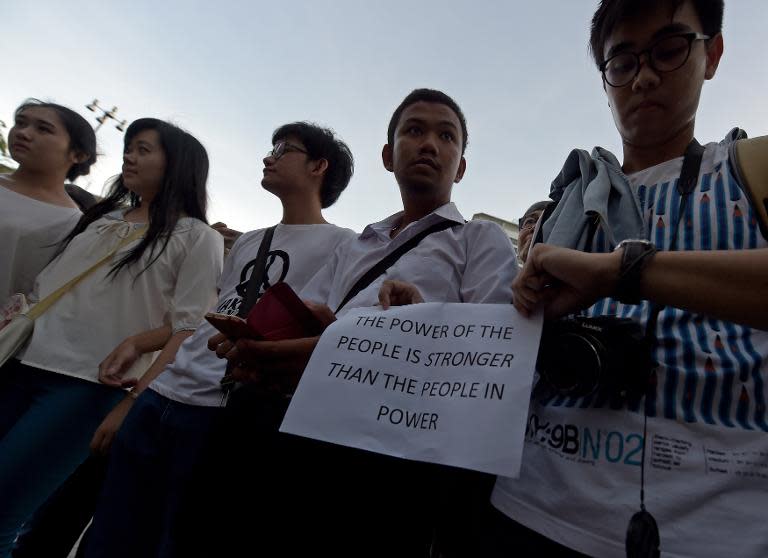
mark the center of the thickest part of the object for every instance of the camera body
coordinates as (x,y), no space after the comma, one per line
(579,356)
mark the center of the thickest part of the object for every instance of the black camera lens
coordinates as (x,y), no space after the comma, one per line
(573,364)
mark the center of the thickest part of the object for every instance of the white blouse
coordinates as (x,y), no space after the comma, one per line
(29,232)
(89,321)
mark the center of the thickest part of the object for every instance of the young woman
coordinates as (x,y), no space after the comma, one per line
(150,296)
(52,144)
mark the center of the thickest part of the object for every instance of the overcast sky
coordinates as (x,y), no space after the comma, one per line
(230,72)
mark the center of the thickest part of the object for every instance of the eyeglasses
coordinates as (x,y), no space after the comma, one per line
(665,55)
(283,147)
(528,222)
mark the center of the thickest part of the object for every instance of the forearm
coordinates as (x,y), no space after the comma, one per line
(152,340)
(729,285)
(166,356)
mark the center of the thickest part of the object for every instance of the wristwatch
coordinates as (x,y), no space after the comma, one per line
(635,256)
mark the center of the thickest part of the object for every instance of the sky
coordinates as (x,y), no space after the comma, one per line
(230,72)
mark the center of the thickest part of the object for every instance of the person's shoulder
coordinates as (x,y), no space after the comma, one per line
(193,231)
(486,237)
(481,227)
(249,236)
(247,239)
(82,197)
(342,234)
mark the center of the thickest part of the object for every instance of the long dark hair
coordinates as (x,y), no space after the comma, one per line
(183,191)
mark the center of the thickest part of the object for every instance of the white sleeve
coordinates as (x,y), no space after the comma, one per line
(491,264)
(318,289)
(195,290)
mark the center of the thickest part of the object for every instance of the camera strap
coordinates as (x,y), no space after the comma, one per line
(642,529)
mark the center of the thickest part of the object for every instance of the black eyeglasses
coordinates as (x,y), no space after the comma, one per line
(665,55)
(282,147)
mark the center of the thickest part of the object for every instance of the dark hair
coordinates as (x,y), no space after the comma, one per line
(82,138)
(612,12)
(538,206)
(427,96)
(182,193)
(321,143)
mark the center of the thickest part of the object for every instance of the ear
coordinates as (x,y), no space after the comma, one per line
(460,171)
(714,53)
(319,166)
(77,157)
(386,157)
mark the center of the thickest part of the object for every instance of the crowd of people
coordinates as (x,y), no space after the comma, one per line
(126,407)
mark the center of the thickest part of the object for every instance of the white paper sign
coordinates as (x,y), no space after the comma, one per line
(444,383)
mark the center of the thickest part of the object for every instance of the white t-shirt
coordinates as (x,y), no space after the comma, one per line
(30,231)
(706,462)
(472,262)
(89,321)
(295,255)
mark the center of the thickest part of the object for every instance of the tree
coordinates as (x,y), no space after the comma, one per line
(3,143)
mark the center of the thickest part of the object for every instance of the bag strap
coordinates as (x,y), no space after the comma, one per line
(249,299)
(751,167)
(257,275)
(390,259)
(689,178)
(41,307)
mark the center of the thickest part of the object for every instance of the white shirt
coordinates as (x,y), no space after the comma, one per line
(89,321)
(471,262)
(296,253)
(706,461)
(30,230)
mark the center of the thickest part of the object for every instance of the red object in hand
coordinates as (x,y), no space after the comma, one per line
(280,314)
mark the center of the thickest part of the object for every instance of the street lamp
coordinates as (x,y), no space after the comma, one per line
(106,115)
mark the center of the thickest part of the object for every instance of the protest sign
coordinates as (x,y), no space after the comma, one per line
(443,383)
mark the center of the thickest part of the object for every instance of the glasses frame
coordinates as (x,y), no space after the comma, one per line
(283,147)
(690,36)
(522,221)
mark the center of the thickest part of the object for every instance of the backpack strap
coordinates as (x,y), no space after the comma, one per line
(750,164)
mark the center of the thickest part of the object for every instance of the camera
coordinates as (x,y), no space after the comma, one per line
(579,356)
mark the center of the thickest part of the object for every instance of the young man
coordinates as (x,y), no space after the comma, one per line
(703,263)
(163,435)
(326,499)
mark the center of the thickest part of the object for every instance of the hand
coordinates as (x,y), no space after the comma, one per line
(563,281)
(117,363)
(220,344)
(105,433)
(230,235)
(270,362)
(398,293)
(322,312)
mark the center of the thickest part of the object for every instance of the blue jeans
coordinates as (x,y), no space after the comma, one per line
(151,463)
(47,421)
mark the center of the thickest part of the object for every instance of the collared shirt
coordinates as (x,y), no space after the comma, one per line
(471,262)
